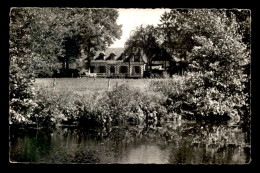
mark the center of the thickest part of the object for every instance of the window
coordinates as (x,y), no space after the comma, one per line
(123,69)
(92,68)
(112,69)
(137,58)
(102,69)
(137,69)
(101,56)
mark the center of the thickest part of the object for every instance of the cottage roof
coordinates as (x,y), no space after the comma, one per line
(108,51)
(118,55)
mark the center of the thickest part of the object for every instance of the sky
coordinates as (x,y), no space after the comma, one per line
(131,18)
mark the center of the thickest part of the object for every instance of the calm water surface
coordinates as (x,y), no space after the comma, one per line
(175,143)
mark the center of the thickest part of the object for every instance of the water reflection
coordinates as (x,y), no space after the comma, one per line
(175,143)
(145,153)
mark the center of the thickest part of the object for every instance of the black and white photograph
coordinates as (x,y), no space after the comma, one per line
(129,86)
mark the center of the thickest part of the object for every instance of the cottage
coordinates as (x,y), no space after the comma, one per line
(115,63)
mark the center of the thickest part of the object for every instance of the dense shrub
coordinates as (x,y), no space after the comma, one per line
(122,106)
(119,107)
(57,107)
(195,96)
(21,92)
(47,113)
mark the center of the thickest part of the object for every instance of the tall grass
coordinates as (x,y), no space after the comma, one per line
(122,105)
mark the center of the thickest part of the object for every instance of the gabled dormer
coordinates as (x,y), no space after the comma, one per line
(123,56)
(111,56)
(101,56)
(136,57)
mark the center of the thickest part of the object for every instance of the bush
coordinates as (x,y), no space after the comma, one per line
(195,96)
(120,107)
(57,107)
(114,108)
(21,93)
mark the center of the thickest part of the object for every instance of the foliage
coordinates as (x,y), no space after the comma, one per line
(190,98)
(183,97)
(20,83)
(115,108)
(119,107)
(213,46)
(213,41)
(47,113)
(58,34)
(20,93)
(143,40)
(41,37)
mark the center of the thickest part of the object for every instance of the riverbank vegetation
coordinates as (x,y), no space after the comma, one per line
(159,102)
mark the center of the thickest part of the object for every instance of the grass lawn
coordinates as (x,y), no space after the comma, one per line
(91,85)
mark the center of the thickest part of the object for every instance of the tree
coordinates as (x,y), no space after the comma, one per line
(143,40)
(100,32)
(54,34)
(20,82)
(212,43)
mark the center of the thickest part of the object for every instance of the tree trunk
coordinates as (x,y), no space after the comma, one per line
(88,60)
(63,65)
(88,65)
(67,63)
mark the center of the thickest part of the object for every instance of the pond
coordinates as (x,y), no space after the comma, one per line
(174,143)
